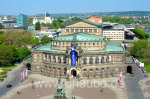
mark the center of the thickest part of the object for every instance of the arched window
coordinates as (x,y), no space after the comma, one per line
(91,60)
(102,59)
(97,69)
(84,60)
(97,60)
(59,60)
(91,70)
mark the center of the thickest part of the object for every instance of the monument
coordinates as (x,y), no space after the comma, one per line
(59,94)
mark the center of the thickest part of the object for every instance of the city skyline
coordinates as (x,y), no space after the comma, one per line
(29,7)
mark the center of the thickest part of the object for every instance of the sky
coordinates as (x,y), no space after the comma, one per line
(32,7)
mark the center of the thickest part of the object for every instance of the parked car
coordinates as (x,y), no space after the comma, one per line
(9,86)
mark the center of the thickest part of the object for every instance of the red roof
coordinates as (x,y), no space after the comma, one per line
(98,20)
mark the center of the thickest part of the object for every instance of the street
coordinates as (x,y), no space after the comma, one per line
(132,85)
(13,82)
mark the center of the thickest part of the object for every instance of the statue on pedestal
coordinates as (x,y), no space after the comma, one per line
(59,94)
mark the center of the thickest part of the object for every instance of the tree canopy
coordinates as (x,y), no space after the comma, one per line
(9,54)
(45,40)
(140,49)
(1,26)
(139,32)
(23,53)
(37,26)
(16,38)
(33,41)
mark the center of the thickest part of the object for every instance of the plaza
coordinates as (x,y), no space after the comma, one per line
(80,93)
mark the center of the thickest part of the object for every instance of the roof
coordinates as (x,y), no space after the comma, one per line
(112,46)
(128,41)
(48,48)
(98,20)
(80,37)
(86,21)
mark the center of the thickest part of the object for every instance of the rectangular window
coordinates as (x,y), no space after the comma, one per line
(67,30)
(85,30)
(90,30)
(72,30)
(81,30)
(95,30)
(76,30)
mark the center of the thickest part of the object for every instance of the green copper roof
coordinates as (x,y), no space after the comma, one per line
(80,37)
(47,48)
(110,47)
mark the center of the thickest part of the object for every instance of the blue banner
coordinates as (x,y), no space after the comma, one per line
(73,57)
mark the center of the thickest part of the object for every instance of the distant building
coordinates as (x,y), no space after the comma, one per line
(31,27)
(49,33)
(47,19)
(114,34)
(94,19)
(44,28)
(8,24)
(22,21)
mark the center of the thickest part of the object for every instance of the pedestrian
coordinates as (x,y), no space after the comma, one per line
(102,88)
(119,82)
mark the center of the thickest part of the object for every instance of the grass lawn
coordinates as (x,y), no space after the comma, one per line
(147,64)
(6,69)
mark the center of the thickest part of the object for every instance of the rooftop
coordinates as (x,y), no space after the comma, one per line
(47,48)
(86,21)
(110,47)
(93,18)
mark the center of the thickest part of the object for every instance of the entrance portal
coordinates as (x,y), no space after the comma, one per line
(28,66)
(74,73)
(129,69)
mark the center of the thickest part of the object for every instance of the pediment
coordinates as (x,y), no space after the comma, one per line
(81,25)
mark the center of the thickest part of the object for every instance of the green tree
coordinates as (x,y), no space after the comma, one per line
(55,24)
(16,38)
(139,48)
(75,19)
(30,20)
(1,26)
(45,40)
(37,26)
(6,55)
(1,37)
(33,41)
(139,32)
(23,53)
(59,20)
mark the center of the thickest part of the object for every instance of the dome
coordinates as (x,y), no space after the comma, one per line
(47,14)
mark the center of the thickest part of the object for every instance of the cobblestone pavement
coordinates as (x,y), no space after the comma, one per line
(73,88)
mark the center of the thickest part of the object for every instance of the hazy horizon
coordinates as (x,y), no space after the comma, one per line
(32,7)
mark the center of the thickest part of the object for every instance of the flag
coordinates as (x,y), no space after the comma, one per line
(73,56)
(26,72)
(23,75)
(20,75)
(121,78)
